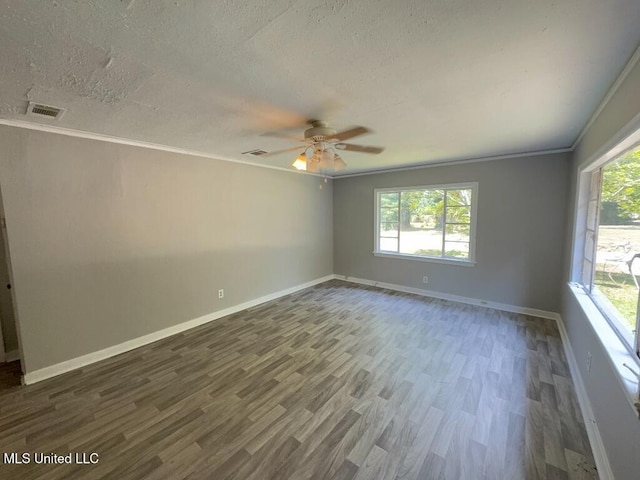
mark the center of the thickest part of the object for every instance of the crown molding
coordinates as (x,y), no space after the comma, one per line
(441,163)
(184,151)
(607,98)
(438,163)
(610,93)
(137,143)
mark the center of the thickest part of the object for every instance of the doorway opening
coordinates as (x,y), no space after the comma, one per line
(10,365)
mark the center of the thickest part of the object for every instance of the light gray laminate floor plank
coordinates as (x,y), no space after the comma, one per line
(337,381)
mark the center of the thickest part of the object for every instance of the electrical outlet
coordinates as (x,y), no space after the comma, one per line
(425,279)
(589,361)
(221,293)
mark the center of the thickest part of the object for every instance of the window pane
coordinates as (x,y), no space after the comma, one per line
(421,222)
(588,246)
(456,249)
(617,271)
(458,197)
(459,233)
(416,222)
(389,215)
(389,244)
(591,214)
(388,229)
(421,241)
(595,185)
(458,214)
(587,273)
(389,199)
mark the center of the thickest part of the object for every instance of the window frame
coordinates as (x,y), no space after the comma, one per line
(473,212)
(587,280)
(586,178)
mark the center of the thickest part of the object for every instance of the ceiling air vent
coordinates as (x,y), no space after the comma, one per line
(255,153)
(44,110)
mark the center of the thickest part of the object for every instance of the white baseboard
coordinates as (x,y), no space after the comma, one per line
(78,362)
(454,298)
(599,453)
(597,446)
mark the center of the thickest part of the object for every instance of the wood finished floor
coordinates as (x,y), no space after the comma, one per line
(335,382)
(9,375)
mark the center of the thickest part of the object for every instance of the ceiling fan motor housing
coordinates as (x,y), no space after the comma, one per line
(319,129)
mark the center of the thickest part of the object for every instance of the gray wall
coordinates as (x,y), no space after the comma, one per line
(617,422)
(520,231)
(111,242)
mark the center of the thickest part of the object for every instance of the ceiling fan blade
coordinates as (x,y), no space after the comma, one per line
(282,135)
(359,148)
(347,134)
(278,152)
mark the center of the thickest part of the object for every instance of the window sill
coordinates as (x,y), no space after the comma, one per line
(405,256)
(617,352)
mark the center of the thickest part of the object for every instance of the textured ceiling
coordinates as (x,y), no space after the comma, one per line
(436,80)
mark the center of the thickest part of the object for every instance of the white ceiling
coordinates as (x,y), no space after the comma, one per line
(436,80)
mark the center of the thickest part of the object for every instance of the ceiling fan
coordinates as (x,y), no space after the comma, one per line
(323,143)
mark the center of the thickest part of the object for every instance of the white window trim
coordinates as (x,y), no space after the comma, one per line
(624,363)
(624,144)
(469,262)
(623,360)
(424,258)
(627,137)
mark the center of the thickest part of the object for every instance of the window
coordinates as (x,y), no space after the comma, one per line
(611,260)
(434,222)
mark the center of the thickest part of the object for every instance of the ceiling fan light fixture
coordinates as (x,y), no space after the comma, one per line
(338,163)
(300,162)
(326,160)
(322,144)
(313,167)
(313,164)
